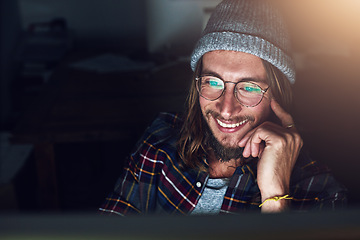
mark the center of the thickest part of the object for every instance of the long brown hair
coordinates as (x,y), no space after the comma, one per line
(191,144)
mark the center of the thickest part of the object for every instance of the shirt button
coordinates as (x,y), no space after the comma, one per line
(198,184)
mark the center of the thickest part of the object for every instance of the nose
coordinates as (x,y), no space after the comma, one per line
(227,104)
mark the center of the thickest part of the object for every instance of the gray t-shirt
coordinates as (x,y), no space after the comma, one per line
(212,197)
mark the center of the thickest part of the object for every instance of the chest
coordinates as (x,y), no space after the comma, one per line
(184,193)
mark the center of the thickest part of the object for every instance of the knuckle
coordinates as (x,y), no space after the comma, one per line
(301,142)
(298,138)
(282,142)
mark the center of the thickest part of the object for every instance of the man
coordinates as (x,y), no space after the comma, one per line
(236,148)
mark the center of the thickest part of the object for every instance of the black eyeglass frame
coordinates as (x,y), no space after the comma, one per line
(263,91)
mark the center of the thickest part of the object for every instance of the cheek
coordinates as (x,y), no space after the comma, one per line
(262,112)
(204,104)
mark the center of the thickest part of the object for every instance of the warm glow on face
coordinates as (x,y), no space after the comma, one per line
(228,120)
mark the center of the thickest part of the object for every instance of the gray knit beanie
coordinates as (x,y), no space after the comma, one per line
(250,26)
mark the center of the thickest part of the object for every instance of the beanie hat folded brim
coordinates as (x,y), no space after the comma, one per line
(240,42)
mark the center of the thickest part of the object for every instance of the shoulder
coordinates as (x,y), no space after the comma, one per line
(314,186)
(157,145)
(306,167)
(164,130)
(309,173)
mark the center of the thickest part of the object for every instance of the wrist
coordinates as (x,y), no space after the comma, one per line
(273,188)
(275,203)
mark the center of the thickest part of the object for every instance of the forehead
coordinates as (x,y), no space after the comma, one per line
(232,65)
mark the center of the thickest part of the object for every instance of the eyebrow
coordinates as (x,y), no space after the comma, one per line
(246,79)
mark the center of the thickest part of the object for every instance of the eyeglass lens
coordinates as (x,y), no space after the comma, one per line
(247,93)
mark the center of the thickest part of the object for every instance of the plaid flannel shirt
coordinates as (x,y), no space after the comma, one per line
(153,182)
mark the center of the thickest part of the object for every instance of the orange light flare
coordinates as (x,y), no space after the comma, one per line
(329,20)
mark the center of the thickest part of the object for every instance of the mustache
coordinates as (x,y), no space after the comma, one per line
(232,119)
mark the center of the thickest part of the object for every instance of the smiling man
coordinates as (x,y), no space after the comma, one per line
(236,148)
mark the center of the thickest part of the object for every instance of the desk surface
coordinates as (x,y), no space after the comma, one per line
(78,105)
(316,225)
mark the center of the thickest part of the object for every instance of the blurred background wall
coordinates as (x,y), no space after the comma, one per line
(106,24)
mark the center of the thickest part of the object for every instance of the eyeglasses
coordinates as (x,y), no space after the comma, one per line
(248,94)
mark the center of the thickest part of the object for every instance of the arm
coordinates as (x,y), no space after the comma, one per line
(314,187)
(122,200)
(135,190)
(277,148)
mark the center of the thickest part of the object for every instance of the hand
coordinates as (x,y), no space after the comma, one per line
(277,148)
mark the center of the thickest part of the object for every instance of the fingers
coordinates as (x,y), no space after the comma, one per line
(255,148)
(252,148)
(255,141)
(285,118)
(267,134)
(245,143)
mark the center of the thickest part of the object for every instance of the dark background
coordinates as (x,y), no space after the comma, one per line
(325,36)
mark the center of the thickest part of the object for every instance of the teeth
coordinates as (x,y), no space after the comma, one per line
(225,125)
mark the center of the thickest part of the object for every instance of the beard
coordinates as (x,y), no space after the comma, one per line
(223,153)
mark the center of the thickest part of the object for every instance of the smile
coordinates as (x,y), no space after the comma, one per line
(234,125)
